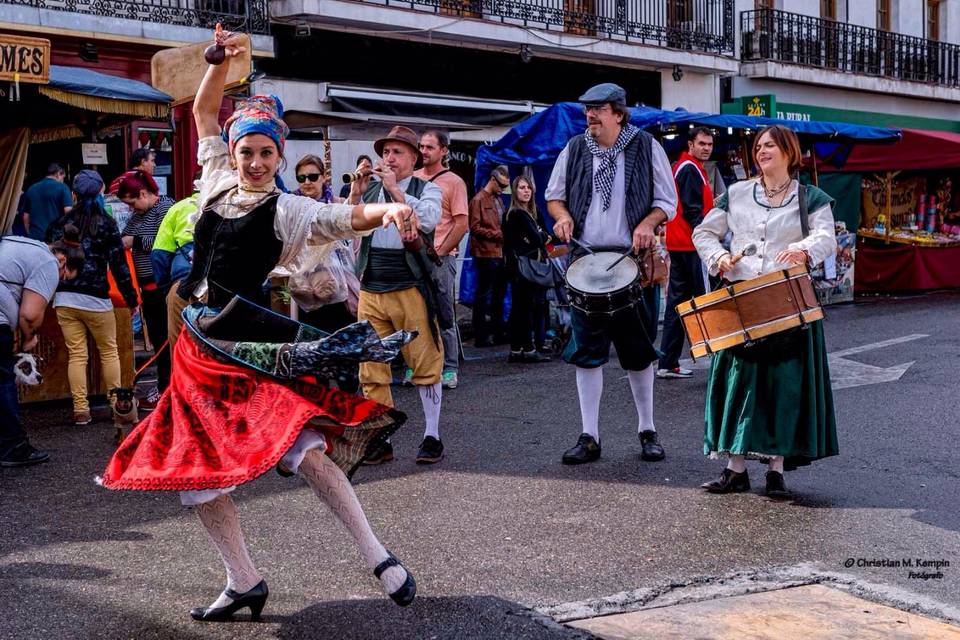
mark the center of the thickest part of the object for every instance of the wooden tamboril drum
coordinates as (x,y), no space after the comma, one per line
(748,311)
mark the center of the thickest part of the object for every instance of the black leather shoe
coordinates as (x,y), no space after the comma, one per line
(652,451)
(729,482)
(431,450)
(776,488)
(383,454)
(255,599)
(408,590)
(587,450)
(24,456)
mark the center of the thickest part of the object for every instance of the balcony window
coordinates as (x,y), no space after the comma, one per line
(763,4)
(828,9)
(933,19)
(883,15)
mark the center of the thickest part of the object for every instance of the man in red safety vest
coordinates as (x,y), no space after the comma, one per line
(688,277)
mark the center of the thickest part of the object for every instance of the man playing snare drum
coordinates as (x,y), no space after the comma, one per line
(610,189)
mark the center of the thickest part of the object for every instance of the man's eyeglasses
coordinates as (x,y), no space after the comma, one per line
(587,108)
(309,177)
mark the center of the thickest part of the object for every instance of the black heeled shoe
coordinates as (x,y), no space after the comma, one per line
(255,599)
(729,482)
(408,590)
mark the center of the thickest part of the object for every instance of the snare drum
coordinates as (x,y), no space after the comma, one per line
(594,290)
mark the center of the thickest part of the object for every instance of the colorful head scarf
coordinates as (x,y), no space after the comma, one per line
(257,114)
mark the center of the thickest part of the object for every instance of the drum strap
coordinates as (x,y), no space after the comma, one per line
(804,214)
(736,303)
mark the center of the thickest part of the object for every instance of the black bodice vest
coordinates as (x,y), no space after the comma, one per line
(234,254)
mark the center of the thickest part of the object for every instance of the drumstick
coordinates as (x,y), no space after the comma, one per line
(581,245)
(620,259)
(748,250)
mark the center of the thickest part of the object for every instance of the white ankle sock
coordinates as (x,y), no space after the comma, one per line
(641,385)
(589,389)
(776,464)
(737,464)
(332,487)
(431,397)
(219,518)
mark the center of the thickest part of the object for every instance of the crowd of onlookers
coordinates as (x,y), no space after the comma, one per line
(138,244)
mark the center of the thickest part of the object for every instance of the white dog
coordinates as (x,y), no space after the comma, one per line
(27,370)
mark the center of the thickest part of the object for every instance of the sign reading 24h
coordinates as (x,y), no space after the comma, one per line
(24,59)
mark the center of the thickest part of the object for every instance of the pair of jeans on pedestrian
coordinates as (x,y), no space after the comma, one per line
(447,281)
(488,299)
(154,310)
(12,435)
(77,325)
(688,279)
(528,312)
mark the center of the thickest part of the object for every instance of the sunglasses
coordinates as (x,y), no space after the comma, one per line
(311,177)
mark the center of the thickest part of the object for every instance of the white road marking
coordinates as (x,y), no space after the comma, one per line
(845,373)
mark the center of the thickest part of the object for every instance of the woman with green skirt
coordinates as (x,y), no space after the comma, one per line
(771,401)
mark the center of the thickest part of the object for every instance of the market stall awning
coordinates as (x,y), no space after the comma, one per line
(917,149)
(95,91)
(810,129)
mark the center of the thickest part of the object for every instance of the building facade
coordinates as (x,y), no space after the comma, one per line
(880,62)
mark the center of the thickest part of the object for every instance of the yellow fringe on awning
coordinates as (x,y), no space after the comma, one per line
(53,134)
(108,105)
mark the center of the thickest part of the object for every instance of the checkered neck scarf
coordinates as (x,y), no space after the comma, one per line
(603,176)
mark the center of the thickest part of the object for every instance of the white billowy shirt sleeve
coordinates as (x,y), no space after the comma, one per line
(664,186)
(216,176)
(822,240)
(708,234)
(557,185)
(428,206)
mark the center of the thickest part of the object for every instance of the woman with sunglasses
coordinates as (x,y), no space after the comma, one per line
(243,398)
(311,175)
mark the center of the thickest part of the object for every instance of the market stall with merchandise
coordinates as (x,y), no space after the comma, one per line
(909,231)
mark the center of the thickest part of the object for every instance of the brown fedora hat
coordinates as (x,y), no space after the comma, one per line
(402,134)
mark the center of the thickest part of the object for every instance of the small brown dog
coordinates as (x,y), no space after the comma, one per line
(125,412)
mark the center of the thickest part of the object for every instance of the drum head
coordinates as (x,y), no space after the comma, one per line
(589,273)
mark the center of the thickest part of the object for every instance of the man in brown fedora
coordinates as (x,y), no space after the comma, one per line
(397,284)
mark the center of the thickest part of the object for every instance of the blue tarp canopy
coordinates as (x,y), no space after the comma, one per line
(538,140)
(88,89)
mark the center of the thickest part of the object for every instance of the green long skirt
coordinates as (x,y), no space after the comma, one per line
(773,399)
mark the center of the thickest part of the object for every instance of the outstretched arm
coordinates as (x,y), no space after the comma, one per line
(206,105)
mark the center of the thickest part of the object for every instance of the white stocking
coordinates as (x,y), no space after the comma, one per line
(641,385)
(430,398)
(219,518)
(737,464)
(589,389)
(332,487)
(776,464)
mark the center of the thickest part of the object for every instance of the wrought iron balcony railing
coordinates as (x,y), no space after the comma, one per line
(693,25)
(249,16)
(768,34)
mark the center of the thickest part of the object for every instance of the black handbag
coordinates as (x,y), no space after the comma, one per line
(536,271)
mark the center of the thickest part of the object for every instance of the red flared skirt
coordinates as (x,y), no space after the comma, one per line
(220,424)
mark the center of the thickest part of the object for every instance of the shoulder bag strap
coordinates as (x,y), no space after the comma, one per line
(802,201)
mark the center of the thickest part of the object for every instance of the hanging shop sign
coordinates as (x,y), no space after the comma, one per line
(764,106)
(903,201)
(24,59)
(94,153)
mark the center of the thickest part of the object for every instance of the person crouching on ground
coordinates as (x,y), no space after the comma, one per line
(29,273)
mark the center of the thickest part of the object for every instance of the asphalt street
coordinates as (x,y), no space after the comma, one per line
(500,528)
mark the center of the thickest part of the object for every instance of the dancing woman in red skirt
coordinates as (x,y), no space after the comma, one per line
(243,396)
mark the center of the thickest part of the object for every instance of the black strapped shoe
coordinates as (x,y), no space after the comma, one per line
(255,599)
(729,482)
(776,488)
(652,451)
(408,590)
(587,450)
